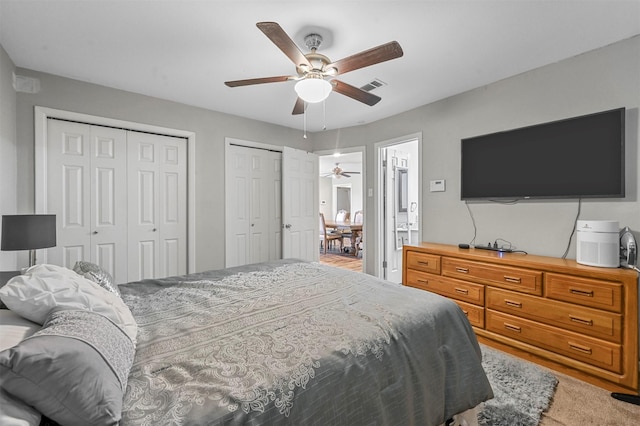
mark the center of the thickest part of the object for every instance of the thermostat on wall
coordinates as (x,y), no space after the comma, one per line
(436,185)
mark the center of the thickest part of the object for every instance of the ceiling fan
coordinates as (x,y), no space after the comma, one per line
(337,172)
(315,72)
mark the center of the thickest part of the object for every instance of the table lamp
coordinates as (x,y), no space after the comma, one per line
(28,232)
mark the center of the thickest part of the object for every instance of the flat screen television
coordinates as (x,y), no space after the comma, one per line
(580,157)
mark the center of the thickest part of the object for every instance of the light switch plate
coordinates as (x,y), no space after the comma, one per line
(437,185)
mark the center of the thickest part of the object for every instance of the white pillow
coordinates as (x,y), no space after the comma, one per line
(44,288)
(14,329)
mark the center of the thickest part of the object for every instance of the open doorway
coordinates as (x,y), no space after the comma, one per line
(341,188)
(398,198)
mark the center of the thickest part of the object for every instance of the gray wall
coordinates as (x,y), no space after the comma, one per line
(603,79)
(8,189)
(210,127)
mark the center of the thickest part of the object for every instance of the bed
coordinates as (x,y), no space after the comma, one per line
(280,343)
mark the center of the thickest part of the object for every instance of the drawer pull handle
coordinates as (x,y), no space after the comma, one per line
(423,281)
(512,327)
(581,321)
(581,292)
(513,304)
(579,348)
(465,312)
(462,270)
(462,290)
(423,262)
(512,280)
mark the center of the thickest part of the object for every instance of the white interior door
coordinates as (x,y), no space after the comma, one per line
(86,189)
(301,205)
(253,206)
(108,200)
(394,239)
(156,206)
(173,206)
(67,191)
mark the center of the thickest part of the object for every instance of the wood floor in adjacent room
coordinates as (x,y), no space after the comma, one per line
(341,260)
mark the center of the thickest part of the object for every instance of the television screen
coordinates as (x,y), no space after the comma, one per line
(573,158)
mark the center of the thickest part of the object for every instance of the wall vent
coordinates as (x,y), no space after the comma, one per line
(25,84)
(373,85)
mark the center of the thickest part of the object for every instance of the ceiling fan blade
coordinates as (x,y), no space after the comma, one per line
(251,81)
(382,53)
(280,38)
(355,93)
(345,175)
(298,108)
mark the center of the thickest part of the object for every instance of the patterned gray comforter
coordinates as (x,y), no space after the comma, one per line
(296,343)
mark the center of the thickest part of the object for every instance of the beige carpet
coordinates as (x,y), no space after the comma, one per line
(577,403)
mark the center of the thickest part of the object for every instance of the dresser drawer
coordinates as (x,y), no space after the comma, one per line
(475,314)
(593,322)
(592,351)
(456,289)
(584,291)
(518,279)
(423,262)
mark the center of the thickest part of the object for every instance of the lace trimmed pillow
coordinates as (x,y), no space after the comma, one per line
(74,370)
(95,273)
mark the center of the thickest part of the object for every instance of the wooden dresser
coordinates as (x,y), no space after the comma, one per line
(579,320)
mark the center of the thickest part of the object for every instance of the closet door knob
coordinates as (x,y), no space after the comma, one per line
(154,230)
(95,232)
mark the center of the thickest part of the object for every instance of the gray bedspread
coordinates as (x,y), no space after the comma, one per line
(297,343)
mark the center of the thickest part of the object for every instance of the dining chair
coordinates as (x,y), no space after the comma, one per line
(327,237)
(342,216)
(348,233)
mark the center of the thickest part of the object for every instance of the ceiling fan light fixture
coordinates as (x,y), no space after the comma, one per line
(313,89)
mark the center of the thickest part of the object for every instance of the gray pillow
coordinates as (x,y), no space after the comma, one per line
(74,371)
(96,274)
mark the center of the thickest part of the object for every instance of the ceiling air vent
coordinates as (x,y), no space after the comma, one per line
(373,85)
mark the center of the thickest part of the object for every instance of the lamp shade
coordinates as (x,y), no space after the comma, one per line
(313,90)
(28,231)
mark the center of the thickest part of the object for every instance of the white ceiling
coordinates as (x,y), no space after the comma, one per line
(184,50)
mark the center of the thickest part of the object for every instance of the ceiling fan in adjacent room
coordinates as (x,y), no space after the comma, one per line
(337,172)
(315,72)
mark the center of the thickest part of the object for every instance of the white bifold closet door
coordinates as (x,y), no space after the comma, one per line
(120,199)
(157,206)
(253,206)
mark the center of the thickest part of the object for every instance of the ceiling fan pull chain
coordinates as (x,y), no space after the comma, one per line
(304,120)
(324,115)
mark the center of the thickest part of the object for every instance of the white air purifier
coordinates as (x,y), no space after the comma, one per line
(598,243)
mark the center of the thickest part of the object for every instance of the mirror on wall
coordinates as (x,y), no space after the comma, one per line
(402,193)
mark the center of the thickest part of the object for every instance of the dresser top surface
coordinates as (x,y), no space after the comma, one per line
(550,264)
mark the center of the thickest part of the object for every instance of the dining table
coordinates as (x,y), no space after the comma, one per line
(347,226)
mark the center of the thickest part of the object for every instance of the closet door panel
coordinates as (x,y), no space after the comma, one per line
(238,207)
(68,190)
(172,205)
(253,206)
(109,201)
(142,206)
(157,201)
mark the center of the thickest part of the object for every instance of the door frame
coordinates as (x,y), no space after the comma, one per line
(42,114)
(379,195)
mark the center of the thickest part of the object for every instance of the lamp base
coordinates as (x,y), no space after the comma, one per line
(32,258)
